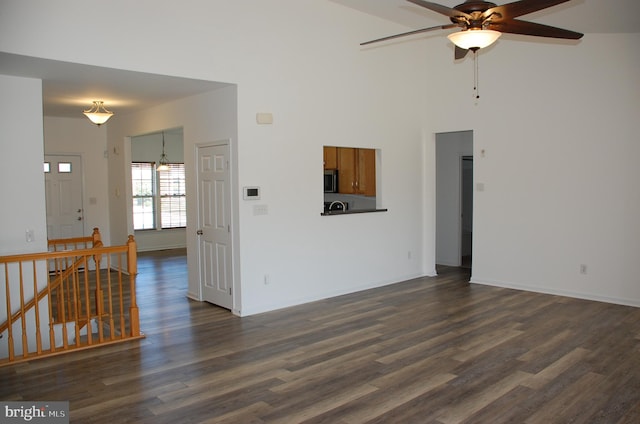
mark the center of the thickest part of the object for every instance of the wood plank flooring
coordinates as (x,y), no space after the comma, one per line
(430,350)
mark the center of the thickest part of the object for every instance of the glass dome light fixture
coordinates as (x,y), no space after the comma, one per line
(163,164)
(97,113)
(474,39)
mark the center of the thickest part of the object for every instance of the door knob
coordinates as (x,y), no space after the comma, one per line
(199,232)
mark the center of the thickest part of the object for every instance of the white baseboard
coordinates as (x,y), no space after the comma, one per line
(322,296)
(166,247)
(556,292)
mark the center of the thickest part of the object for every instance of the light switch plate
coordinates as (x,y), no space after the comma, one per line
(260,210)
(264,118)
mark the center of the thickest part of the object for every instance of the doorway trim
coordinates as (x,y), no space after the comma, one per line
(466,211)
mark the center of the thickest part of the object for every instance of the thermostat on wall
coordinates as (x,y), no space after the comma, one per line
(251,193)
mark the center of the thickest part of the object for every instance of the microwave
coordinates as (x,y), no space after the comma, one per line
(330,181)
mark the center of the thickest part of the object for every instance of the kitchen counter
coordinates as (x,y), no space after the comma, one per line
(351,211)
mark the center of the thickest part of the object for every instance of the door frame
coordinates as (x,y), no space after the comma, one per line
(466,203)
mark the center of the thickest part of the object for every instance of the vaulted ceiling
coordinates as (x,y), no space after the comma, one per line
(586,16)
(68,88)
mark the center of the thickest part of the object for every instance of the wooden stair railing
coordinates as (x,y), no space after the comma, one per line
(77,300)
(54,245)
(75,243)
(41,295)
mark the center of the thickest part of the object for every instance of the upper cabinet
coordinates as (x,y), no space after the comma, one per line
(356,170)
(330,157)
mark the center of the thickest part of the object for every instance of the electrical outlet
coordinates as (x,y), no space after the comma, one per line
(29,235)
(583,269)
(267,279)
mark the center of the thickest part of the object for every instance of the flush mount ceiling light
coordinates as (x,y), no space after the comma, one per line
(163,164)
(98,114)
(474,39)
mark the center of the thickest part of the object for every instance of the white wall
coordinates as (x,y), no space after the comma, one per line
(78,136)
(558,124)
(321,89)
(205,118)
(23,204)
(569,110)
(21,173)
(148,147)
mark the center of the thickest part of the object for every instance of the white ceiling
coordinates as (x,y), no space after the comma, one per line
(69,88)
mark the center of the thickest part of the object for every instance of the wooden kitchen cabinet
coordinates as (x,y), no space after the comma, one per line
(366,172)
(346,170)
(356,171)
(330,157)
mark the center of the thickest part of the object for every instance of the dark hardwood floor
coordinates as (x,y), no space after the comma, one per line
(430,350)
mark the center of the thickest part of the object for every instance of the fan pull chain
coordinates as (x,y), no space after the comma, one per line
(476,79)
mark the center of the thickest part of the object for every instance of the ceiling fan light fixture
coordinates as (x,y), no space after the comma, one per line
(471,39)
(97,113)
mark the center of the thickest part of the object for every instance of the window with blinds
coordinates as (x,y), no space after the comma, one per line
(143,190)
(173,196)
(159,198)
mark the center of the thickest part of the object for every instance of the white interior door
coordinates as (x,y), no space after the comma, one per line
(214,220)
(63,191)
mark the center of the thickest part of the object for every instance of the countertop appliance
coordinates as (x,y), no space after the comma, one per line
(336,206)
(330,181)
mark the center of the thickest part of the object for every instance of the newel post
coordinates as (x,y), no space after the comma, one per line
(132,268)
(132,256)
(97,238)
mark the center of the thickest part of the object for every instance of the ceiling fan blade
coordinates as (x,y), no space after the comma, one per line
(447,11)
(518,8)
(515,26)
(404,34)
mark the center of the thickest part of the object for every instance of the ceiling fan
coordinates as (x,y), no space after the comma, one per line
(482,22)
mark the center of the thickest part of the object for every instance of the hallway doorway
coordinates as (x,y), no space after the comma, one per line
(454,198)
